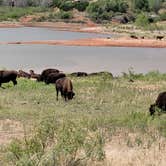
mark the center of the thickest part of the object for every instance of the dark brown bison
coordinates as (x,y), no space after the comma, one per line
(34,75)
(7,76)
(133,37)
(52,77)
(160,37)
(160,103)
(46,72)
(64,85)
(22,73)
(79,74)
(101,73)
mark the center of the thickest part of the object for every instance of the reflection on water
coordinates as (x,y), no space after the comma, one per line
(88,59)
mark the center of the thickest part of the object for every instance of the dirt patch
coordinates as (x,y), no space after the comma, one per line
(10,129)
(135,150)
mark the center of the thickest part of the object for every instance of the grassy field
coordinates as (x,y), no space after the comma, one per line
(107,123)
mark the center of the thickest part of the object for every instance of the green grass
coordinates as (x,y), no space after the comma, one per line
(74,132)
(8,13)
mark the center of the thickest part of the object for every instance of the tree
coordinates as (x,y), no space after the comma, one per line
(155,5)
(142,20)
(141,5)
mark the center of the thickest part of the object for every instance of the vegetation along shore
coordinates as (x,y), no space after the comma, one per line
(144,19)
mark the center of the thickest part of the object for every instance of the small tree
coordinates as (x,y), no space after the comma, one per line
(142,20)
(141,5)
(81,5)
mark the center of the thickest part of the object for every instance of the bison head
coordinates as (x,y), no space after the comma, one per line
(70,95)
(152,109)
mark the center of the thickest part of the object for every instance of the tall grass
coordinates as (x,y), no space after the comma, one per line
(75,132)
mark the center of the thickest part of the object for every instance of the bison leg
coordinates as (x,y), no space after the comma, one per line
(65,96)
(14,82)
(57,91)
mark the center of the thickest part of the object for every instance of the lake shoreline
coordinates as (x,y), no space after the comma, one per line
(99,42)
(77,27)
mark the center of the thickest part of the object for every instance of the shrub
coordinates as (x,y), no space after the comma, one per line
(81,5)
(67,5)
(141,5)
(104,10)
(64,15)
(142,20)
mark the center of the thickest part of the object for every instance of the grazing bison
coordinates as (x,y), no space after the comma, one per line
(133,36)
(7,76)
(64,85)
(159,37)
(52,77)
(160,103)
(22,73)
(79,74)
(34,75)
(46,72)
(101,73)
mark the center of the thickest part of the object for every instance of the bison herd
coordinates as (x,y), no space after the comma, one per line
(64,85)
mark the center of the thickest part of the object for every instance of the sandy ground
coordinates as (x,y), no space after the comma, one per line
(120,42)
(132,149)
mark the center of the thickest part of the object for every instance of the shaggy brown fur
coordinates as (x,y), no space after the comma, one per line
(64,85)
(160,103)
(34,75)
(52,77)
(7,76)
(46,72)
(22,73)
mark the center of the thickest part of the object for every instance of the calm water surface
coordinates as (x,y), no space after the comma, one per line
(88,59)
(29,34)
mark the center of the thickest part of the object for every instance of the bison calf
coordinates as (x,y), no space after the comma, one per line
(7,76)
(160,103)
(64,85)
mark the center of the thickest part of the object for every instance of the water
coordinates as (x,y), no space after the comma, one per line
(87,59)
(30,34)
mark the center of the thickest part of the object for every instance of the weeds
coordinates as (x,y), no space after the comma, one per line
(75,132)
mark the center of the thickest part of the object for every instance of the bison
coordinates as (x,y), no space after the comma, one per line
(34,75)
(160,103)
(7,76)
(159,37)
(79,74)
(22,73)
(64,85)
(46,72)
(133,37)
(52,77)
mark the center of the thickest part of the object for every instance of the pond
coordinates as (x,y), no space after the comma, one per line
(88,59)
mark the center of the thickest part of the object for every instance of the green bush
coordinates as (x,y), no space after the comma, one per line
(57,3)
(104,9)
(67,5)
(64,14)
(141,5)
(142,20)
(81,5)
